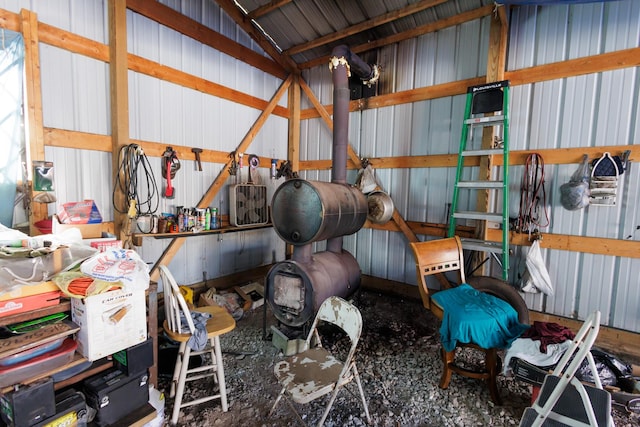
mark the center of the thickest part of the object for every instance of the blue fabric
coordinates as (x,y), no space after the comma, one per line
(471,316)
(198,340)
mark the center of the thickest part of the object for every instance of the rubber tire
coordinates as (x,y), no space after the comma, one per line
(501,289)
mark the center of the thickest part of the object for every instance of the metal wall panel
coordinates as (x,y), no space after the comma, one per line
(590,110)
(75,92)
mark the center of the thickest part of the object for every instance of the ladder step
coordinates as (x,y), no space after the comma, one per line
(486,152)
(481,184)
(483,216)
(485,121)
(481,245)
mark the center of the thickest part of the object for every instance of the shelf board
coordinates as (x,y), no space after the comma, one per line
(137,237)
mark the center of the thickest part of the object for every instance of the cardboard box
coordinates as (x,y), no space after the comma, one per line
(109,322)
(87,230)
(85,212)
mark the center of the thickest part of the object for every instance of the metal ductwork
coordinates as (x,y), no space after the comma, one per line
(304,212)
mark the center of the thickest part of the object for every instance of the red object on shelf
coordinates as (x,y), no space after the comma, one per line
(45,226)
(28,303)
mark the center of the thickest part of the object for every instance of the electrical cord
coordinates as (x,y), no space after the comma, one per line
(132,161)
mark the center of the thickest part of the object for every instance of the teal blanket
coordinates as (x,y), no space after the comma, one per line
(477,317)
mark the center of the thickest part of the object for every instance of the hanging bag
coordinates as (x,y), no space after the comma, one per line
(536,277)
(574,194)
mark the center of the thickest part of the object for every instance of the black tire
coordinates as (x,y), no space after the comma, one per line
(499,288)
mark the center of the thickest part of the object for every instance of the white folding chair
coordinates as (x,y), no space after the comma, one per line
(179,327)
(563,400)
(316,372)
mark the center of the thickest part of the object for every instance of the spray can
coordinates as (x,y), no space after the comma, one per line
(274,163)
(181,219)
(207,219)
(215,221)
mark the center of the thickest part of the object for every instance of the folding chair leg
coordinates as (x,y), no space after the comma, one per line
(329,405)
(273,408)
(185,351)
(364,401)
(447,359)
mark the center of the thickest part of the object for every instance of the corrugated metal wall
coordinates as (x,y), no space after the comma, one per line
(592,110)
(75,96)
(586,111)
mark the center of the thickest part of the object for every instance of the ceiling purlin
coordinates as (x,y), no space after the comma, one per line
(263,10)
(427,28)
(363,26)
(247,25)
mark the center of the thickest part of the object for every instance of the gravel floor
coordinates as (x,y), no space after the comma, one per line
(399,364)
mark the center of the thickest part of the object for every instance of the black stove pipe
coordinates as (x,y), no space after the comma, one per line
(343,61)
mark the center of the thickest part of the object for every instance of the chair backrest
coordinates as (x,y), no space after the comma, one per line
(344,315)
(175,304)
(437,256)
(581,349)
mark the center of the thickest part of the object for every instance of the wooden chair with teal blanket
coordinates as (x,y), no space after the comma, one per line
(483,312)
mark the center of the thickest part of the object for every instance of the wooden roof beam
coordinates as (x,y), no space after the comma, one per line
(170,18)
(405,35)
(363,26)
(247,24)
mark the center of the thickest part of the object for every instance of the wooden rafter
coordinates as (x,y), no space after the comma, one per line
(263,10)
(409,34)
(363,26)
(168,17)
(247,25)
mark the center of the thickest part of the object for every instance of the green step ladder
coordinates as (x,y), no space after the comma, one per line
(486,105)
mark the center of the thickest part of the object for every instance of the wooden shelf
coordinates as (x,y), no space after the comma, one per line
(64,305)
(137,237)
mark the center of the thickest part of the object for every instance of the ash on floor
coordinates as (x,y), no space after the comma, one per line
(399,364)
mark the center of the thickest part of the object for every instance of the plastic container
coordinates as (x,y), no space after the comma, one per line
(40,365)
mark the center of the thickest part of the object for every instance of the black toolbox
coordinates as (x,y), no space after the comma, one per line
(113,394)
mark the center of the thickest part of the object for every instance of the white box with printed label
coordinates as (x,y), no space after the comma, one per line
(109,322)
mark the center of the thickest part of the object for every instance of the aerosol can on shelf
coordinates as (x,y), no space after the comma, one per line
(207,219)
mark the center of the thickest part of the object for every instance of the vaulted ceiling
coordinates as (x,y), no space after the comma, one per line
(301,34)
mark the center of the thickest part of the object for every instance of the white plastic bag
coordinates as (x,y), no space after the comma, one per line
(118,265)
(536,277)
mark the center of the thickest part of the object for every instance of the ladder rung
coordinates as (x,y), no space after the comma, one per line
(483,216)
(481,245)
(486,152)
(481,184)
(484,121)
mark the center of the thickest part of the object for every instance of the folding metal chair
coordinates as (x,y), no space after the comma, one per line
(565,401)
(316,372)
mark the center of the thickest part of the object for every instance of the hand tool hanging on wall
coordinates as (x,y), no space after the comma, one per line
(170,165)
(197,152)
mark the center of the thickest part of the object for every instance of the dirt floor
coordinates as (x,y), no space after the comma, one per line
(399,364)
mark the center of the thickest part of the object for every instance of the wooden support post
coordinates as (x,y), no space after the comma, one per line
(293,147)
(29,29)
(119,92)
